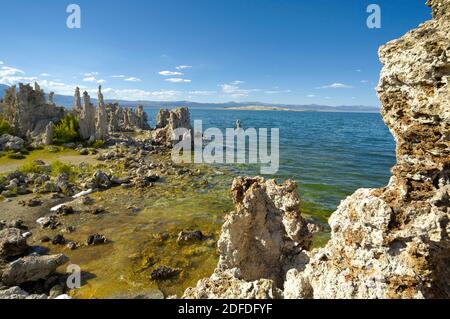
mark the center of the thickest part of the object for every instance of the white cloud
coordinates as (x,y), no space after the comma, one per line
(311,95)
(178,80)
(169,73)
(182,67)
(92,79)
(133,79)
(90,74)
(278,92)
(336,86)
(359,70)
(1,62)
(118,76)
(45,74)
(364,81)
(11,76)
(135,94)
(235,91)
(204,93)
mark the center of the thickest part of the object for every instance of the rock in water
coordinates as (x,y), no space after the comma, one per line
(31,268)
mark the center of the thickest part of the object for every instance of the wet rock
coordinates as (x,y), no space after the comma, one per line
(101,179)
(58,240)
(45,239)
(190,236)
(51,222)
(12,243)
(31,268)
(55,291)
(164,273)
(65,210)
(33,202)
(96,239)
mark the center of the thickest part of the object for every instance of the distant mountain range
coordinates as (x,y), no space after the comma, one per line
(67,101)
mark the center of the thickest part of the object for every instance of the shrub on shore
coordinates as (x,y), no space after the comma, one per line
(66,130)
(5,127)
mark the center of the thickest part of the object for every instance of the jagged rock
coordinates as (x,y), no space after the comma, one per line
(262,239)
(86,118)
(18,293)
(51,95)
(31,268)
(28,112)
(168,122)
(12,243)
(227,285)
(11,143)
(48,135)
(101,125)
(62,184)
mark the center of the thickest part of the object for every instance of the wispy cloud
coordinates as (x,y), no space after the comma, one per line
(182,67)
(90,74)
(169,73)
(336,86)
(235,91)
(11,76)
(45,74)
(310,95)
(133,79)
(203,93)
(364,81)
(178,80)
(1,62)
(277,91)
(121,76)
(93,79)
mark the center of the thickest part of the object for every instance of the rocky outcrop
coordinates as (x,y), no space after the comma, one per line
(261,240)
(11,143)
(101,125)
(86,118)
(28,111)
(31,268)
(47,138)
(12,243)
(385,243)
(168,122)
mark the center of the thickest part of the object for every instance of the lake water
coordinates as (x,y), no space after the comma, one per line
(330,155)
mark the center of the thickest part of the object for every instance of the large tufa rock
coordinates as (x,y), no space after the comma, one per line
(101,125)
(28,111)
(393,242)
(12,243)
(31,268)
(263,238)
(48,135)
(86,118)
(168,122)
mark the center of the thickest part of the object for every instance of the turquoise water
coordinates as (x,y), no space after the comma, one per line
(330,155)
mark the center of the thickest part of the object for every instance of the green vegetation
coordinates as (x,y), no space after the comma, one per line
(33,167)
(98,144)
(58,167)
(5,127)
(66,130)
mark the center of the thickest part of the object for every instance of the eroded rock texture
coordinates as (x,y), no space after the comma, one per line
(261,240)
(28,111)
(385,243)
(169,121)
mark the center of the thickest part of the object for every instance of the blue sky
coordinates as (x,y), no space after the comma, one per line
(295,52)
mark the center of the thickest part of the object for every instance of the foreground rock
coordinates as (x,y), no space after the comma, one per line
(263,238)
(385,243)
(12,243)
(31,268)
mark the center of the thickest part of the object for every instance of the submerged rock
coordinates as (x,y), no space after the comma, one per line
(96,239)
(189,236)
(164,272)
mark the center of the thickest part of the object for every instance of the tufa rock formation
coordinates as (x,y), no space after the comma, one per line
(168,121)
(27,110)
(385,243)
